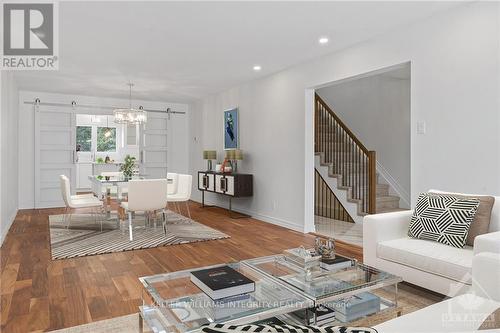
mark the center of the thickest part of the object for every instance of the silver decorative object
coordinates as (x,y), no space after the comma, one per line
(326,249)
(302,257)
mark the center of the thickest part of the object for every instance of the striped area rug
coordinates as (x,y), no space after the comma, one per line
(85,238)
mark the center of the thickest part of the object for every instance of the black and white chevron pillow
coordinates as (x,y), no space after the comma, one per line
(228,328)
(443,218)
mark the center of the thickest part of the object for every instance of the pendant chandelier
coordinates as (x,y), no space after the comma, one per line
(107,133)
(130,115)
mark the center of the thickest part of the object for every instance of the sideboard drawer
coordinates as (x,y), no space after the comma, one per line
(230,185)
(206,181)
(224,184)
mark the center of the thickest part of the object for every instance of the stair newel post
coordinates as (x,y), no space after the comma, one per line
(372,179)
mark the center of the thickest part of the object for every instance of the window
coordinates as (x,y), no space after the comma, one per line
(84,138)
(106,139)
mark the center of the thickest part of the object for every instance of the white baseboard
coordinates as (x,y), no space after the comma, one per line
(5,231)
(262,217)
(394,185)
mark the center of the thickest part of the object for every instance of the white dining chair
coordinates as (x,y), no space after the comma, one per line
(77,201)
(173,180)
(145,195)
(183,193)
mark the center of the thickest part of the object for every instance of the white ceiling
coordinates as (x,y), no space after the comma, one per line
(182,51)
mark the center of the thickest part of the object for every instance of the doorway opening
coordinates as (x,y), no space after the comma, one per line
(101,146)
(362,134)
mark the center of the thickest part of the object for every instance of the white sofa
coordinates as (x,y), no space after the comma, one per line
(463,313)
(438,267)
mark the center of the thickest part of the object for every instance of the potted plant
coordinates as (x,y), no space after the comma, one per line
(128,166)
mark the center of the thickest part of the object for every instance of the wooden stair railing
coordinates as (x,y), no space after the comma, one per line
(326,204)
(348,156)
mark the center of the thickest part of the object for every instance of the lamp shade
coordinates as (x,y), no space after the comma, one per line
(230,154)
(209,155)
(238,154)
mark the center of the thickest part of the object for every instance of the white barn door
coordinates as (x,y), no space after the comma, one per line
(55,153)
(153,146)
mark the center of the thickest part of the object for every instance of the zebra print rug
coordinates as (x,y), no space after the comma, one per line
(85,238)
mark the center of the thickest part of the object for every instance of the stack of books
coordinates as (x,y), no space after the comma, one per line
(222,282)
(228,289)
(337,263)
(324,315)
(356,307)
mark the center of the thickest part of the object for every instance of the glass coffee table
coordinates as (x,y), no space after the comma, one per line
(332,288)
(172,303)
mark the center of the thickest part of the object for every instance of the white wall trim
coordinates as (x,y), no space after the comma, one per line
(5,231)
(309,162)
(395,188)
(258,216)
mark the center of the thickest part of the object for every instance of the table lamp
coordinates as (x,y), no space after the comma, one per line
(209,155)
(234,155)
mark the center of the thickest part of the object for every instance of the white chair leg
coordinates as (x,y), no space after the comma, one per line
(130,226)
(98,216)
(189,211)
(69,219)
(65,215)
(164,217)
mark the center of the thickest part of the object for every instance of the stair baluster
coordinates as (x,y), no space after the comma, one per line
(349,157)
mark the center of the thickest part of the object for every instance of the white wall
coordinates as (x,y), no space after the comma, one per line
(178,152)
(9,153)
(454,88)
(377,109)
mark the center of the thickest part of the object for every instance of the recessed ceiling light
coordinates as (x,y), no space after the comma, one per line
(323,40)
(257,68)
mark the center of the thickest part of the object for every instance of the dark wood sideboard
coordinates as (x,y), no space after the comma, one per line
(232,185)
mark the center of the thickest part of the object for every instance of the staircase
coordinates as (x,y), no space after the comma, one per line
(348,167)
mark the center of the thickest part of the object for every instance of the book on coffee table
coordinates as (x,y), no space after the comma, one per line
(336,263)
(357,306)
(222,282)
(323,314)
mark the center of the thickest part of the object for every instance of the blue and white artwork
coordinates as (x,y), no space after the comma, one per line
(231,129)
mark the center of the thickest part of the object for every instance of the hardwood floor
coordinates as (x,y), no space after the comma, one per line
(39,294)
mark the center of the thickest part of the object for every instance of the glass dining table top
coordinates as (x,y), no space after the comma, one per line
(114,179)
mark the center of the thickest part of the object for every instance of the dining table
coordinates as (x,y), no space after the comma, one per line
(102,185)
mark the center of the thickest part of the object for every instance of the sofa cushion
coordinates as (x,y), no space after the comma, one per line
(435,258)
(495,212)
(443,218)
(481,223)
